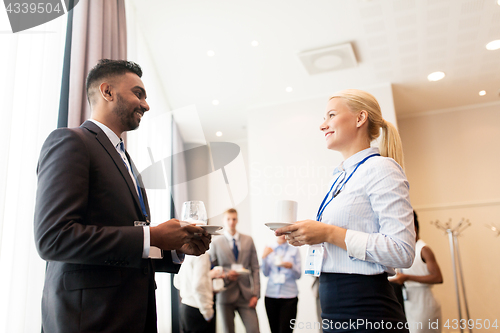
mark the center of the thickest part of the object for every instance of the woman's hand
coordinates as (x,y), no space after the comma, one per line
(216,273)
(304,232)
(400,278)
(309,232)
(267,251)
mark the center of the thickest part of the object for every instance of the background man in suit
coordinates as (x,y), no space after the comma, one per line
(236,253)
(99,277)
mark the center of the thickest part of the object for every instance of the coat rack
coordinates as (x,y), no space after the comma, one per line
(453,233)
(493,228)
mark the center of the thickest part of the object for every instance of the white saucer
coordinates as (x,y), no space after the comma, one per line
(276,225)
(211,229)
(243,271)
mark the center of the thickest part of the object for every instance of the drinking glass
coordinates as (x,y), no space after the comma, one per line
(194,212)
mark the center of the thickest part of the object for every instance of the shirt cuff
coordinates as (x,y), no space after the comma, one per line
(356,242)
(177,259)
(147,244)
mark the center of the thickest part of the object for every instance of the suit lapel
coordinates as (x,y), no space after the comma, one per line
(108,147)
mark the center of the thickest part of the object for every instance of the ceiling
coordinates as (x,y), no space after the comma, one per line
(396,41)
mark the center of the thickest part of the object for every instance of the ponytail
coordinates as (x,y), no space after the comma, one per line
(390,145)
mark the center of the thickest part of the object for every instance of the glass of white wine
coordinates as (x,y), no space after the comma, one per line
(194,212)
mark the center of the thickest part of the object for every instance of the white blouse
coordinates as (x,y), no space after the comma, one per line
(374,206)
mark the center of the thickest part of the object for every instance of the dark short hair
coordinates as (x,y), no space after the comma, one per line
(106,68)
(415,220)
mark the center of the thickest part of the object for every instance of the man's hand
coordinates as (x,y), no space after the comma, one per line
(197,246)
(232,275)
(253,302)
(286,264)
(171,235)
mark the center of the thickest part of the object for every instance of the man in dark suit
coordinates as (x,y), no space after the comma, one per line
(99,277)
(236,253)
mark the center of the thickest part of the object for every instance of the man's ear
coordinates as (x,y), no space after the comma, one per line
(362,118)
(106,91)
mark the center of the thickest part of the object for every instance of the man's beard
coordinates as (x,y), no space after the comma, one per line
(127,118)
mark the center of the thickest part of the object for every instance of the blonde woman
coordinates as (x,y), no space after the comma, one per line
(365,221)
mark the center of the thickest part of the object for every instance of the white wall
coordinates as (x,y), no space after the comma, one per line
(452,160)
(209,191)
(288,160)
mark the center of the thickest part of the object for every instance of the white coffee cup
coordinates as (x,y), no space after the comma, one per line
(286,211)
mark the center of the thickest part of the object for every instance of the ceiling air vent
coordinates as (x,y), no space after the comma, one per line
(328,59)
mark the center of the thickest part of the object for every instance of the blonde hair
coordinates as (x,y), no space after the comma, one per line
(390,145)
(231,211)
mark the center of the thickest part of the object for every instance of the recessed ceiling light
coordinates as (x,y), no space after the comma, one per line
(482,93)
(498,2)
(328,62)
(330,58)
(211,53)
(215,102)
(289,89)
(219,133)
(493,45)
(256,43)
(436,76)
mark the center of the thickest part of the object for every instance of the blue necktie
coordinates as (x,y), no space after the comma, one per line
(235,250)
(139,192)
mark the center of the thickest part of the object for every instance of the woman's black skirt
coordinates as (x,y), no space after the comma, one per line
(359,303)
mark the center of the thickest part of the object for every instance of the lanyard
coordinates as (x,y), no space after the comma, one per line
(341,185)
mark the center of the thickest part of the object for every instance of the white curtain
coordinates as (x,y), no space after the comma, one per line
(99,32)
(30,82)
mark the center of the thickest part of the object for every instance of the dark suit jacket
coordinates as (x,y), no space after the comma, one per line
(86,205)
(247,286)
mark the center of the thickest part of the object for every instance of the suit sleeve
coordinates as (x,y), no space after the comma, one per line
(254,264)
(62,228)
